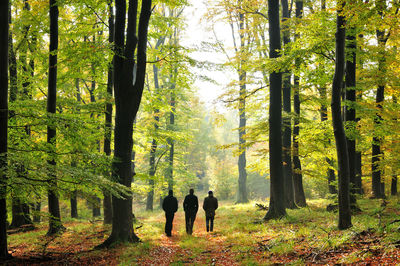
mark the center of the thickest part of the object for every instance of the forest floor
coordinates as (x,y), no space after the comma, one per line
(306,236)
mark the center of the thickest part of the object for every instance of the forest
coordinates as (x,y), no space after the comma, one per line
(286,110)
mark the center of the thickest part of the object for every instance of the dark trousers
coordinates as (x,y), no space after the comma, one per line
(169,218)
(190,217)
(209,223)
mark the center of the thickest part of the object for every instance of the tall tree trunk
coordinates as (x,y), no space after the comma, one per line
(277,199)
(73,196)
(299,196)
(350,111)
(287,121)
(36,205)
(4,27)
(358,161)
(171,126)
(324,116)
(171,143)
(242,181)
(95,202)
(128,90)
(340,137)
(107,204)
(54,209)
(152,161)
(377,153)
(19,217)
(28,71)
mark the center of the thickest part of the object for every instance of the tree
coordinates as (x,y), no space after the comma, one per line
(277,199)
(378,188)
(55,225)
(340,137)
(350,111)
(107,203)
(153,149)
(242,180)
(287,121)
(169,175)
(128,91)
(4,27)
(324,117)
(20,208)
(300,198)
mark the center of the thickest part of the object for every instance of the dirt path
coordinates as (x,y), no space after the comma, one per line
(169,250)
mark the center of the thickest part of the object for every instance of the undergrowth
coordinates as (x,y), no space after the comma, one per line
(305,235)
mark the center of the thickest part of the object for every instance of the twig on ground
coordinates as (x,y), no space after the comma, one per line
(261,207)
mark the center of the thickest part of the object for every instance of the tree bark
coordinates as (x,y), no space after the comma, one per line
(358,162)
(377,140)
(55,225)
(19,209)
(128,90)
(242,181)
(350,111)
(277,199)
(170,141)
(4,28)
(340,137)
(73,197)
(96,201)
(287,121)
(107,204)
(153,149)
(299,196)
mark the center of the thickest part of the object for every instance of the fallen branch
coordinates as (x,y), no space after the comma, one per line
(261,207)
(22,228)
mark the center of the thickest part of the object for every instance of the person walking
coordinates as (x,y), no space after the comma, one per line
(170,206)
(190,206)
(210,204)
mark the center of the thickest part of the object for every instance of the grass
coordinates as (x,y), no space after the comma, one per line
(304,236)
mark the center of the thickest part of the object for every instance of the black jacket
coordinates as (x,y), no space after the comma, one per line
(210,205)
(170,204)
(191,204)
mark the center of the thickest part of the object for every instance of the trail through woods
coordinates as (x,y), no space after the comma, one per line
(216,250)
(307,236)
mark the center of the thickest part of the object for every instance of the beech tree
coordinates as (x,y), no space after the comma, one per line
(340,137)
(153,149)
(129,74)
(107,203)
(20,207)
(241,50)
(277,199)
(300,198)
(350,111)
(54,209)
(378,185)
(287,121)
